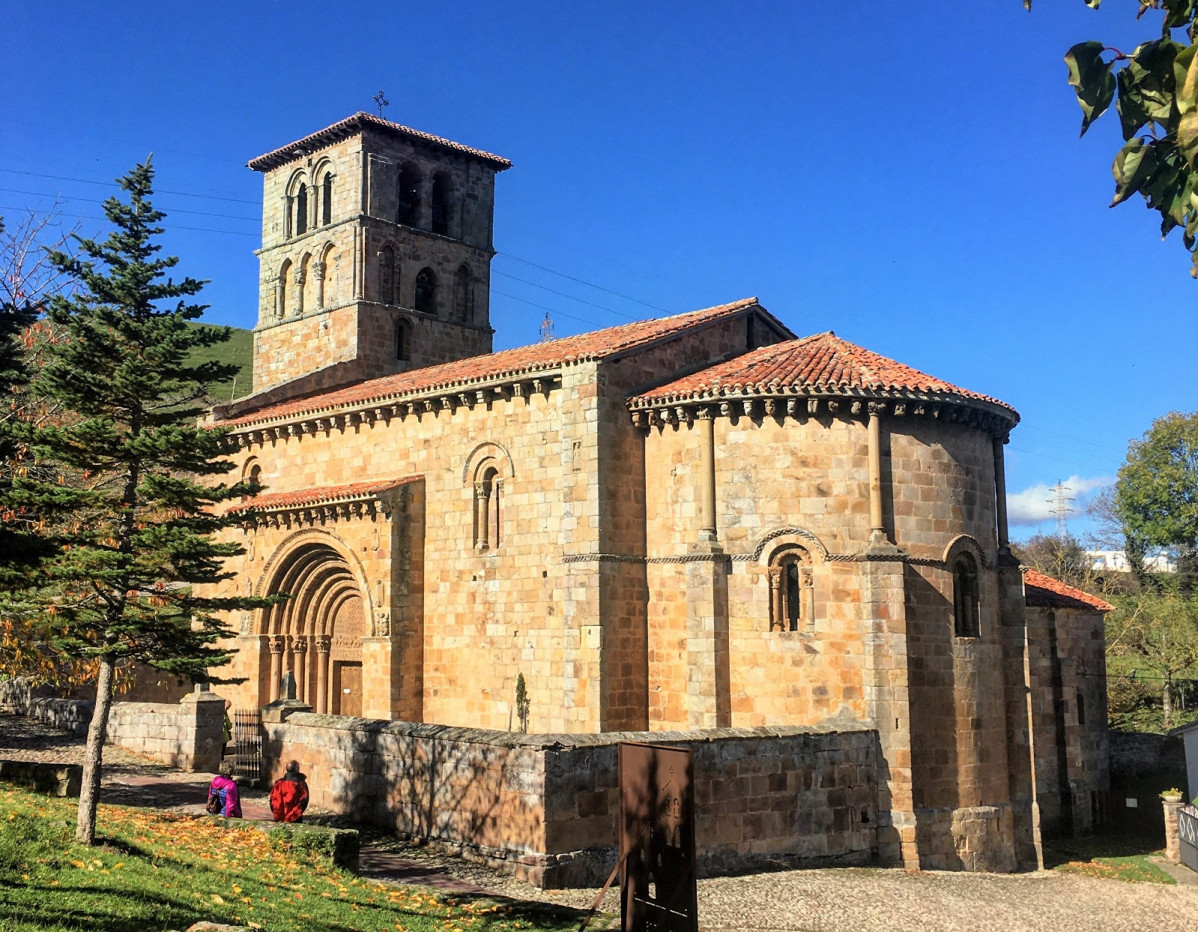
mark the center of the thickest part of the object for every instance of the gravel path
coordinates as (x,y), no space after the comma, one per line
(840,900)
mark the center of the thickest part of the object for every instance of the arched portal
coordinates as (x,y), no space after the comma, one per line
(316,633)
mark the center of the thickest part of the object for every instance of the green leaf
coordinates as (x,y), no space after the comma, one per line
(1133,166)
(1091,77)
(1187,136)
(1130,105)
(1149,82)
(1178,13)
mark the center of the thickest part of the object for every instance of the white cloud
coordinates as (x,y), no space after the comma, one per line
(1038,503)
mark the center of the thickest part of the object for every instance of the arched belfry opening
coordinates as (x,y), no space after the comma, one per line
(317,633)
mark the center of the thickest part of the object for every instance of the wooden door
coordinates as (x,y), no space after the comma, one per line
(347,700)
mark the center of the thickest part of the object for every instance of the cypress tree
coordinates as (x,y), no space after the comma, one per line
(137,522)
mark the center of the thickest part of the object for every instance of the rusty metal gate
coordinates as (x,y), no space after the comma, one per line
(657,839)
(247,745)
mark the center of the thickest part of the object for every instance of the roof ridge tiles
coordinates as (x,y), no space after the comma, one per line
(513,363)
(821,364)
(358,121)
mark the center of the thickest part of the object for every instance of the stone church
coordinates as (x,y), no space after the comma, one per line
(697,522)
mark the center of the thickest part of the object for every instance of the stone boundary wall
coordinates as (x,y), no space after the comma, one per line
(187,735)
(19,698)
(43,777)
(545,807)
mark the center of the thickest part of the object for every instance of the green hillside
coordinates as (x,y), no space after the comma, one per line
(239,351)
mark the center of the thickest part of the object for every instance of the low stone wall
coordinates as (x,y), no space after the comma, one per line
(43,777)
(19,698)
(545,807)
(187,734)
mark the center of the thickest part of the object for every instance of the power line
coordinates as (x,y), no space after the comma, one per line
(113,184)
(91,200)
(562,294)
(169,228)
(582,281)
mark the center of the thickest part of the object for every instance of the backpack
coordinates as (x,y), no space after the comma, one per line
(214,804)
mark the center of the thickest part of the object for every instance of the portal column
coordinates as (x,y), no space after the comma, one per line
(299,648)
(323,643)
(277,643)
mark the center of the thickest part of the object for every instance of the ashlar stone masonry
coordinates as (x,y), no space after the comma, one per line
(692,523)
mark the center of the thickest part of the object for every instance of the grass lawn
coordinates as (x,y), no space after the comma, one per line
(1108,857)
(155,870)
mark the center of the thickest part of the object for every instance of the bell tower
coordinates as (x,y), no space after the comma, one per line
(376,254)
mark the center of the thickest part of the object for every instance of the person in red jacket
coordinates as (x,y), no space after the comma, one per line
(289,795)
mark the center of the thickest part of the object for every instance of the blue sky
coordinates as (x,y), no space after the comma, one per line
(907,175)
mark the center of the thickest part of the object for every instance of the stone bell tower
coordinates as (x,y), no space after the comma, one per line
(376,254)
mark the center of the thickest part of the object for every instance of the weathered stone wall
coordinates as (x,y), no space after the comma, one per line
(187,735)
(19,698)
(1070,716)
(545,806)
(560,597)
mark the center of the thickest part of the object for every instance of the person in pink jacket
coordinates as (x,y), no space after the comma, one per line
(224,789)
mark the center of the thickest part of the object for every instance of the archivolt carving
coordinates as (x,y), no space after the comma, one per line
(791,535)
(488,449)
(319,572)
(965,542)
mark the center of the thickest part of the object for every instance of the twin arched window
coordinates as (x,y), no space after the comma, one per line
(792,595)
(298,207)
(965,596)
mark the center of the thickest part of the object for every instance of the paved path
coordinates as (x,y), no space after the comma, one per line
(843,900)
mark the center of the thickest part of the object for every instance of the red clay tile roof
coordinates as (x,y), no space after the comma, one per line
(328,495)
(353,125)
(822,364)
(1043,591)
(599,344)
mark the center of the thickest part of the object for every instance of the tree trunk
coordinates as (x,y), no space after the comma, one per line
(89,793)
(1167,702)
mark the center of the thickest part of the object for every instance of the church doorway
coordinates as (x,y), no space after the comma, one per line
(347,693)
(316,633)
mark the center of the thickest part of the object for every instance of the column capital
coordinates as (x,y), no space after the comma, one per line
(278,643)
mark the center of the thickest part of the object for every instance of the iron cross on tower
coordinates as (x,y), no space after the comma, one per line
(381,102)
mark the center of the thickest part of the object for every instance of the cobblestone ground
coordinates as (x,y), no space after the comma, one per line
(842,900)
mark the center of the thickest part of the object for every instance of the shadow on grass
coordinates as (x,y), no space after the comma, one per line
(1060,851)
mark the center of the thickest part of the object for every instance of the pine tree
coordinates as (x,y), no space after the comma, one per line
(138,521)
